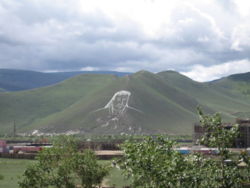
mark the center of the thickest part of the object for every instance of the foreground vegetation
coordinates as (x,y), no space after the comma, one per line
(13,169)
(151,163)
(154,163)
(63,166)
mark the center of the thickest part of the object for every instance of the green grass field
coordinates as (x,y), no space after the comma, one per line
(12,170)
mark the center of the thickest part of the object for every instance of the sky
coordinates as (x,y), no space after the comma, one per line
(202,39)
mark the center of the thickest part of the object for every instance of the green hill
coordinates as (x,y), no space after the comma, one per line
(237,87)
(208,94)
(152,107)
(25,107)
(138,103)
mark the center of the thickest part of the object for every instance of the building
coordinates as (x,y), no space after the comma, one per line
(243,140)
(3,146)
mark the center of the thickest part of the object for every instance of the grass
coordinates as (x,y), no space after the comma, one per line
(12,170)
(115,177)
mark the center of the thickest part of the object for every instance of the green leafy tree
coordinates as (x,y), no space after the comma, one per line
(245,166)
(144,162)
(88,170)
(155,163)
(226,173)
(217,134)
(62,166)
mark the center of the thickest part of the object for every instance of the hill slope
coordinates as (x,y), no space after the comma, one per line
(209,94)
(142,104)
(27,106)
(237,87)
(138,103)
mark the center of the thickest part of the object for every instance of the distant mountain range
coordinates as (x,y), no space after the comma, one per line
(116,103)
(17,80)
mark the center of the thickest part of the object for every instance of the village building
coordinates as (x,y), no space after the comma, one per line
(243,140)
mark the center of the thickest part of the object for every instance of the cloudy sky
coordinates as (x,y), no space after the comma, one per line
(203,39)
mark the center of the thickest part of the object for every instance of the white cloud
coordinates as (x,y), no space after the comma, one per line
(241,37)
(243,7)
(201,73)
(89,69)
(147,14)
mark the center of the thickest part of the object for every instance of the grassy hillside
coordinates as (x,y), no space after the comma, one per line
(152,103)
(237,87)
(25,107)
(162,108)
(217,99)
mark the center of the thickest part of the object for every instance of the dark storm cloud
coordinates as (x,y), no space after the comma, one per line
(40,35)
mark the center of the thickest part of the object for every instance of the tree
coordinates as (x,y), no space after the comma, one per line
(221,137)
(143,162)
(88,170)
(155,163)
(216,134)
(62,166)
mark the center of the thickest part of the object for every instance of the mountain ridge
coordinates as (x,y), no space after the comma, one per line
(19,80)
(145,103)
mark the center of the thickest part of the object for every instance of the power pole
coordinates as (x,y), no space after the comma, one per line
(14,129)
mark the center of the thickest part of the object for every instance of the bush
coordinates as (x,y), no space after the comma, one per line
(62,166)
